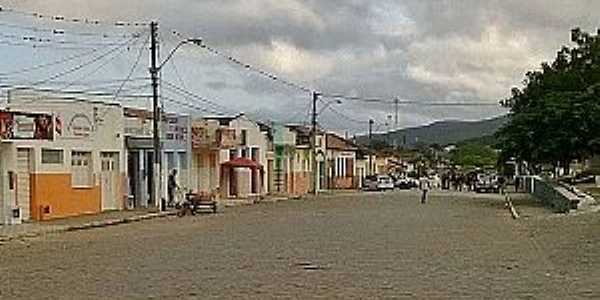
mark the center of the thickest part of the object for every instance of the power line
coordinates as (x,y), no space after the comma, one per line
(34,40)
(111,83)
(174,88)
(192,106)
(303,88)
(57,62)
(135,64)
(40,46)
(61,32)
(104,64)
(71,20)
(406,102)
(346,117)
(249,67)
(81,66)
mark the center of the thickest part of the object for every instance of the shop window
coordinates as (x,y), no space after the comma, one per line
(52,157)
(81,169)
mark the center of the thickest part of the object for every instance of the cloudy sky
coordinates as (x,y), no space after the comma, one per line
(468,51)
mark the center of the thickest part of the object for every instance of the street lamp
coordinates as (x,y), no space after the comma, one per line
(154,70)
(194,41)
(337,101)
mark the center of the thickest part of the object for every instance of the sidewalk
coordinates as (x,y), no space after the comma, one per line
(29,230)
(35,229)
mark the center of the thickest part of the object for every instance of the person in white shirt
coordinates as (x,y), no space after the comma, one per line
(425,186)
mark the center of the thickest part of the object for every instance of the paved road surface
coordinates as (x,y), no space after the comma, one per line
(349,247)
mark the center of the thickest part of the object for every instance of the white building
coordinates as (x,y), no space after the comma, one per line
(76,166)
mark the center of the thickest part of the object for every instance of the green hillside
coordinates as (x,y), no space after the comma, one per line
(442,133)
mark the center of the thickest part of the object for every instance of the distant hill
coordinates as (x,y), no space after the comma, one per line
(443,133)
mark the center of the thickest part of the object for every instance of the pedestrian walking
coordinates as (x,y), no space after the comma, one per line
(425,186)
(172,186)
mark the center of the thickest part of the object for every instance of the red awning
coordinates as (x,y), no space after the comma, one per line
(242,162)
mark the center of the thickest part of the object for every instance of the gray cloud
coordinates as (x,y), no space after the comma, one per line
(468,50)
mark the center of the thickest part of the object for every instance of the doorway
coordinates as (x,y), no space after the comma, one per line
(109,177)
(24,182)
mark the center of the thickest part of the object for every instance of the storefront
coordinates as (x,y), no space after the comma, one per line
(71,164)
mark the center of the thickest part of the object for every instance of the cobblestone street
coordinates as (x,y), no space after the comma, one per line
(364,246)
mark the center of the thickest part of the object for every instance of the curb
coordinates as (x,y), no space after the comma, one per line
(511,208)
(87,226)
(114,222)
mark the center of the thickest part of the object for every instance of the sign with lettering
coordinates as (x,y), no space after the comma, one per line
(80,126)
(26,126)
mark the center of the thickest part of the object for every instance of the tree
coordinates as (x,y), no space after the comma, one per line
(474,155)
(555,118)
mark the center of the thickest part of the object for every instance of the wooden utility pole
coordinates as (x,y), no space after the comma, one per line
(313,152)
(370,171)
(155,194)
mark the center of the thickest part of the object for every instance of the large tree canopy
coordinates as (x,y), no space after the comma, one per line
(555,118)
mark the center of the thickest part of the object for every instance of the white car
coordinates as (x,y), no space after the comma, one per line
(378,183)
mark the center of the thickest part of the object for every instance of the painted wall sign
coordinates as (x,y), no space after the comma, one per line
(80,126)
(25,126)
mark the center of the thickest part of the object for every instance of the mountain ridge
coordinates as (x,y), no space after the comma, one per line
(440,132)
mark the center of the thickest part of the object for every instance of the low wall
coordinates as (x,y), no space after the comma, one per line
(550,194)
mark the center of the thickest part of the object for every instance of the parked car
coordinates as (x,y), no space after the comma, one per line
(404,184)
(407,183)
(487,183)
(378,183)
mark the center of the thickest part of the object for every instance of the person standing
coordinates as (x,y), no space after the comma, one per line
(172,186)
(425,187)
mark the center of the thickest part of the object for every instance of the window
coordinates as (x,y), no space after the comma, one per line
(81,169)
(244,137)
(233,153)
(171,161)
(245,152)
(349,167)
(183,161)
(53,157)
(256,154)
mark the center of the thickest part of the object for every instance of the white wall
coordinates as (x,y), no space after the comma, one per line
(86,126)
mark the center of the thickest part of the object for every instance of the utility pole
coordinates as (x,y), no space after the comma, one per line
(155,194)
(313,152)
(370,171)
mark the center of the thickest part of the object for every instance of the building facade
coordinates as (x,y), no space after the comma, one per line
(341,158)
(77,168)
(230,155)
(176,154)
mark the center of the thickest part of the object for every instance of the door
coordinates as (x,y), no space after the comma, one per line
(133,167)
(110,180)
(322,176)
(24,182)
(149,176)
